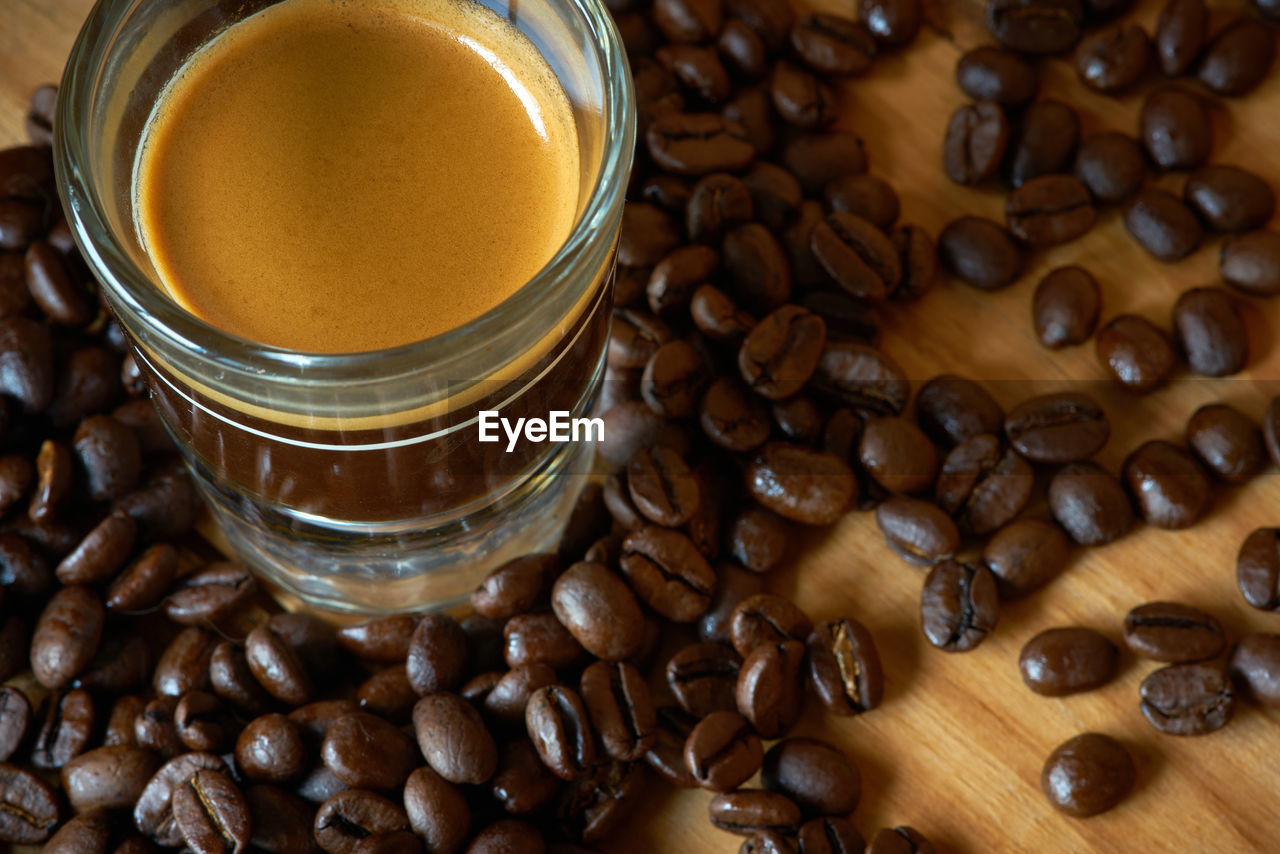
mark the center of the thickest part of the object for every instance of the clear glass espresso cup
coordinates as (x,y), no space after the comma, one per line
(358,482)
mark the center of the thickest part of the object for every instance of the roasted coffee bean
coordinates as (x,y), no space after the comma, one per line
(1172,632)
(798,418)
(919,259)
(28,806)
(599,610)
(1227,441)
(1087,775)
(861,377)
(209,594)
(667,572)
(867,196)
(959,605)
(1228,198)
(367,752)
(636,335)
(109,456)
(1065,308)
(817,776)
(143,582)
(898,455)
(743,49)
(830,836)
(831,44)
(1138,354)
(277,667)
(988,73)
(857,255)
(671,286)
(54,478)
(1058,662)
(233,681)
(39,121)
(1188,699)
(539,638)
(211,813)
(1238,57)
(1258,569)
(122,663)
(508,694)
(1090,504)
(733,586)
(723,751)
(270,749)
(1035,26)
(667,192)
(980,253)
(164,505)
(1044,141)
(1255,666)
(1250,263)
(437,811)
(666,757)
(437,655)
(153,812)
(717,316)
(673,380)
(775,193)
(559,727)
(620,709)
(1170,488)
(517,586)
(752,109)
(749,810)
(1061,427)
(695,144)
(15,718)
(976,138)
(757,267)
(801,484)
(688,21)
(894,23)
(732,417)
(54,288)
(66,635)
(703,678)
(767,619)
(847,318)
(951,409)
(779,355)
(86,833)
(719,202)
(920,531)
(699,70)
(1025,555)
(766,842)
(1049,209)
(1175,129)
(1112,166)
(314,719)
(200,721)
(508,836)
(771,20)
(65,732)
(1114,59)
(26,360)
(647,235)
(352,815)
(454,739)
(801,98)
(770,690)
(1180,35)
(818,159)
(155,729)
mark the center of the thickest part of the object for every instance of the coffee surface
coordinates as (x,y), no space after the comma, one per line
(349,176)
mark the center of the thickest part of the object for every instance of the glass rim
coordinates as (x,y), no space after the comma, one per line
(131,289)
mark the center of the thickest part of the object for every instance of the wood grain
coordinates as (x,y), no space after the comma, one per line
(956,749)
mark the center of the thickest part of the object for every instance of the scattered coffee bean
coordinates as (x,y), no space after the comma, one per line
(1112,166)
(1254,664)
(1227,441)
(1250,263)
(1180,35)
(1088,775)
(1025,555)
(1035,26)
(988,73)
(1066,306)
(1172,632)
(723,751)
(1090,504)
(975,143)
(1138,354)
(1238,57)
(1188,699)
(1049,209)
(1258,569)
(1058,662)
(1228,198)
(984,484)
(1045,141)
(844,667)
(920,531)
(1057,428)
(959,605)
(1114,59)
(980,253)
(818,777)
(1175,129)
(1170,488)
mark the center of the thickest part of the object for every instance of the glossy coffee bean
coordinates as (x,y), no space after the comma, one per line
(599,610)
(857,255)
(1065,307)
(101,553)
(818,159)
(1044,142)
(153,812)
(210,593)
(517,586)
(1138,354)
(1175,129)
(1087,775)
(1237,57)
(367,752)
(988,73)
(1162,225)
(1035,26)
(560,729)
(1063,661)
(1025,555)
(747,811)
(717,316)
(1057,428)
(817,776)
(1211,332)
(1090,504)
(801,98)
(867,196)
(959,606)
(454,739)
(620,708)
(903,839)
(270,749)
(211,812)
(1172,632)
(829,836)
(758,539)
(844,667)
(1258,569)
(894,23)
(975,142)
(1169,487)
(801,484)
(1250,263)
(1112,166)
(770,689)
(984,484)
(980,253)
(1254,665)
(767,618)
(693,144)
(277,667)
(898,455)
(861,377)
(703,678)
(952,408)
(437,810)
(920,531)
(1180,35)
(15,718)
(1229,198)
(66,635)
(28,806)
(352,815)
(539,638)
(832,44)
(86,833)
(144,581)
(667,572)
(780,353)
(1114,59)
(723,751)
(1227,442)
(1188,699)
(1049,209)
(718,203)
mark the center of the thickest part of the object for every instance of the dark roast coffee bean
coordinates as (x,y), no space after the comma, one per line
(1250,263)
(1138,354)
(1170,488)
(277,667)
(767,619)
(688,21)
(15,718)
(200,721)
(437,810)
(504,699)
(635,337)
(517,586)
(1174,127)
(1035,26)
(898,455)
(1049,209)
(867,196)
(1114,59)
(271,749)
(697,144)
(857,255)
(560,729)
(717,316)
(988,73)
(454,739)
(1258,569)
(766,842)
(539,638)
(1087,775)
(1111,165)
(87,833)
(779,355)
(366,752)
(1025,555)
(722,752)
(1228,198)
(719,202)
(1065,308)
(847,317)
(959,605)
(666,757)
(214,591)
(211,813)
(1044,141)
(771,20)
(620,709)
(1180,35)
(743,49)
(830,836)
(775,193)
(647,235)
(508,836)
(861,377)
(66,635)
(758,268)
(770,689)
(1172,632)
(1188,699)
(153,813)
(980,253)
(899,840)
(951,408)
(747,811)
(109,456)
(28,806)
(893,22)
(1090,504)
(54,287)
(732,417)
(673,380)
(599,610)
(40,116)
(817,776)
(1162,225)
(801,484)
(1057,428)
(798,418)
(66,729)
(831,44)
(1255,666)
(26,357)
(1238,57)
(975,142)
(671,286)
(818,159)
(1211,332)
(1058,662)
(233,681)
(88,383)
(920,531)
(919,259)
(667,572)
(844,667)
(752,110)
(142,584)
(801,98)
(698,69)
(703,678)
(349,816)
(155,729)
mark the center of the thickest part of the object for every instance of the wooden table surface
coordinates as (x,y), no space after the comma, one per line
(957,747)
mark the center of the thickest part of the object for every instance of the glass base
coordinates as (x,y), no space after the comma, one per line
(399,567)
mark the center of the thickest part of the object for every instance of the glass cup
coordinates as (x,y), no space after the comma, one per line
(358,482)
